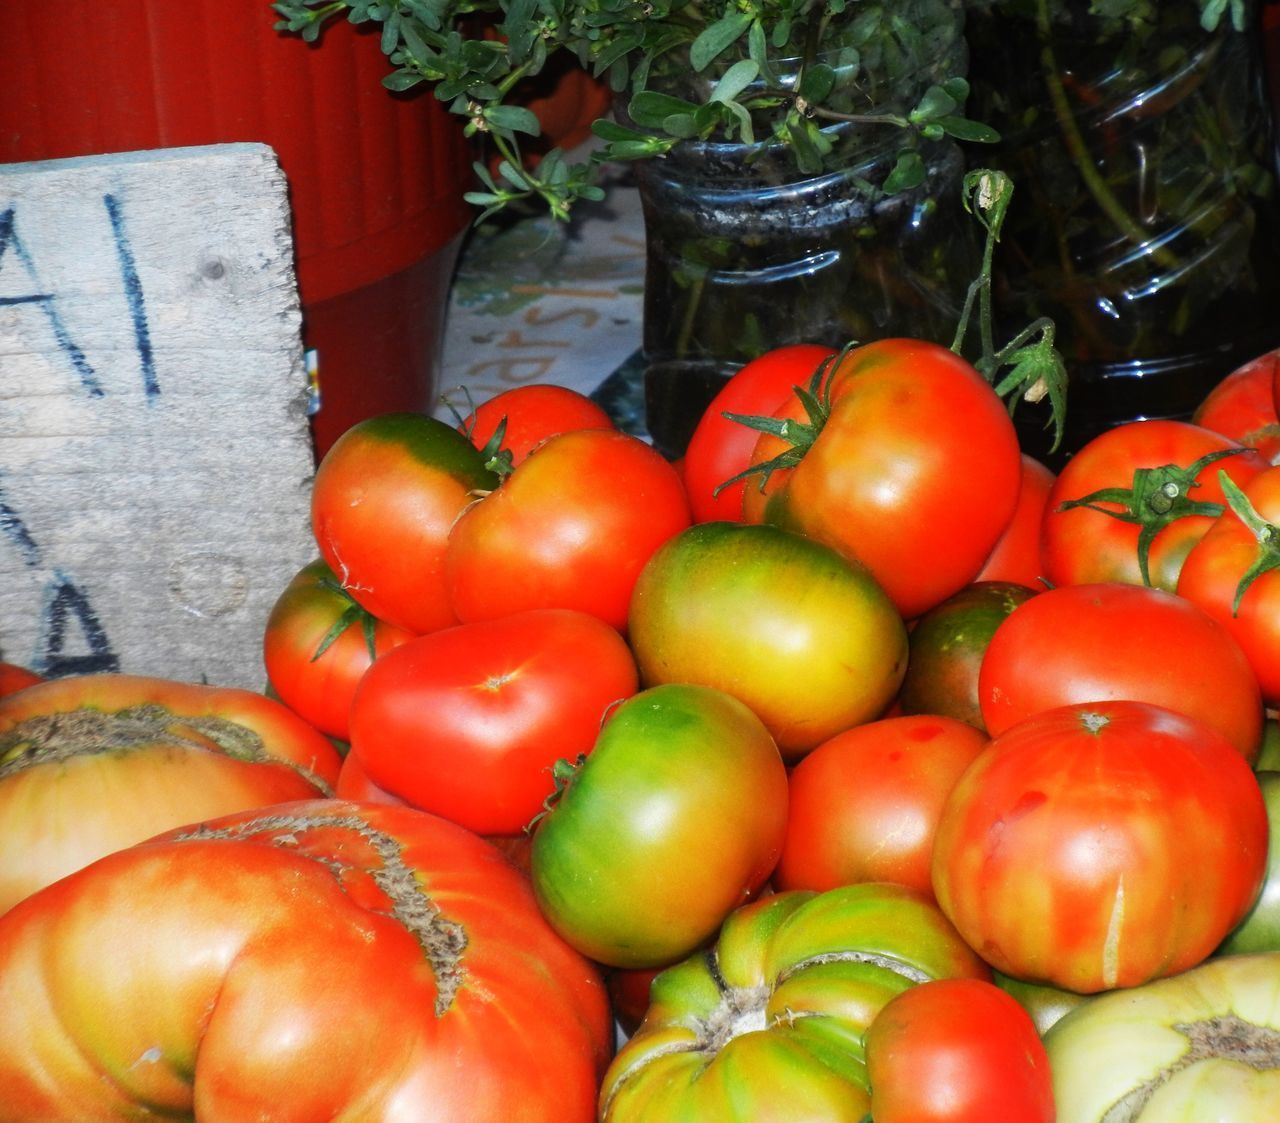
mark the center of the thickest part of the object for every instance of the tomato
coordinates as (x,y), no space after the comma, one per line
(468,721)
(14,676)
(1018,557)
(1101,845)
(865,804)
(384,500)
(803,636)
(675,818)
(1236,559)
(957,1051)
(313,960)
(721,447)
(1260,929)
(318,641)
(769,1023)
(1145,492)
(571,527)
(946,647)
(914,471)
(1241,406)
(93,763)
(1200,1046)
(1086,643)
(528,415)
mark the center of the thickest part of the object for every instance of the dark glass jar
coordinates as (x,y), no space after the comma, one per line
(1144,218)
(745,253)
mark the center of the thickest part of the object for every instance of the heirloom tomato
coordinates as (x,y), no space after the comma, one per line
(673,819)
(1201,1047)
(1243,407)
(571,527)
(957,1050)
(913,468)
(769,1023)
(1101,845)
(864,805)
(1231,574)
(318,642)
(468,721)
(385,497)
(721,447)
(1086,643)
(528,415)
(93,763)
(946,647)
(313,960)
(1131,503)
(802,635)
(1018,557)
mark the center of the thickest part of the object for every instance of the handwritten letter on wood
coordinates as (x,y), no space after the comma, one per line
(155,459)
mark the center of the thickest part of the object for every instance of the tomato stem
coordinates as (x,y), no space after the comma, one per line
(1266,534)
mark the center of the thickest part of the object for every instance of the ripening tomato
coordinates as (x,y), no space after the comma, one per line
(1087,643)
(468,722)
(864,805)
(384,500)
(1158,475)
(571,527)
(674,818)
(802,635)
(1214,577)
(528,415)
(97,762)
(318,642)
(1242,406)
(915,470)
(721,447)
(1101,845)
(1018,557)
(957,1051)
(314,960)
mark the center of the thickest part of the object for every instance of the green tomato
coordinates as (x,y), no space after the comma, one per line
(675,818)
(1260,929)
(1198,1047)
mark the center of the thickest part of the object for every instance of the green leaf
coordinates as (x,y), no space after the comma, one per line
(717,37)
(907,173)
(514,117)
(607,129)
(963,129)
(736,79)
(935,103)
(816,83)
(651,109)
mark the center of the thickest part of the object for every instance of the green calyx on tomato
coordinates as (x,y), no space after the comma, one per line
(1157,498)
(1267,535)
(353,613)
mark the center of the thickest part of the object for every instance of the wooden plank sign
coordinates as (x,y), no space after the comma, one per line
(155,457)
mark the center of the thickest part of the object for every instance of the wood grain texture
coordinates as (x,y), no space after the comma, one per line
(155,456)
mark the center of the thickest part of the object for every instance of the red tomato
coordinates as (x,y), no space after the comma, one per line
(1215,568)
(385,497)
(914,472)
(1018,557)
(1152,472)
(354,783)
(1101,845)
(720,448)
(315,960)
(468,721)
(570,528)
(1242,406)
(528,416)
(97,762)
(1089,643)
(318,642)
(957,1051)
(864,805)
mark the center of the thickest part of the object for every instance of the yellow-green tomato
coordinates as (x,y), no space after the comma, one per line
(805,637)
(770,1022)
(675,818)
(1199,1047)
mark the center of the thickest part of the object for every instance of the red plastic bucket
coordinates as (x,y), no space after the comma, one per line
(376,179)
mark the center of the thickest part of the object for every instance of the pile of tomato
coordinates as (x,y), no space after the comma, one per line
(855,766)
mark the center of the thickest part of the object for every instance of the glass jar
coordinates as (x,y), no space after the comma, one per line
(1144,223)
(745,253)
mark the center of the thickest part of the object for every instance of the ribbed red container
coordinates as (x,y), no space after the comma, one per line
(376,179)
